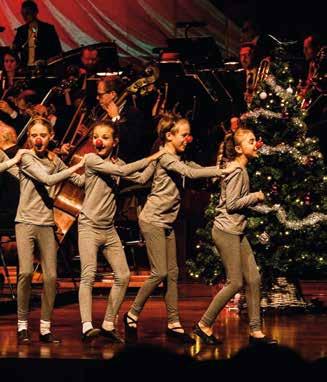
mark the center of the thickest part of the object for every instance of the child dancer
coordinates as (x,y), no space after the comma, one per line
(96,227)
(39,171)
(231,242)
(157,224)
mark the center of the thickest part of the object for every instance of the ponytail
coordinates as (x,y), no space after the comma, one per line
(226,151)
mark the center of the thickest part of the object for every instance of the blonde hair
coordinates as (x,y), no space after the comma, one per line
(42,121)
(170,122)
(8,133)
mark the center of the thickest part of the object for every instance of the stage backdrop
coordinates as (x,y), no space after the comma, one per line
(137,26)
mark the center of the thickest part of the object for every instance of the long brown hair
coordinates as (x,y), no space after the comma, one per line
(226,151)
(113,126)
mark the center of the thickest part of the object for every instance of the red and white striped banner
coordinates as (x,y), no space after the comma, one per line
(137,26)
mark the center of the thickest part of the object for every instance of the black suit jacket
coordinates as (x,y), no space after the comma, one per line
(47,42)
(132,144)
(9,195)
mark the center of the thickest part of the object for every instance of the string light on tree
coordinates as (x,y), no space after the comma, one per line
(298,184)
(289,89)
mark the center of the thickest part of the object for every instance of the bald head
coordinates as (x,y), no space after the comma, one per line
(8,136)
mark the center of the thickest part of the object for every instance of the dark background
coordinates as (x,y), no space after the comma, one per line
(285,19)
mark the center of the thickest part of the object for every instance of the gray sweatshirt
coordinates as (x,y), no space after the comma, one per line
(235,197)
(4,167)
(101,178)
(37,178)
(163,203)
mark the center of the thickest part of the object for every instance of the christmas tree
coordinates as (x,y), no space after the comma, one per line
(291,240)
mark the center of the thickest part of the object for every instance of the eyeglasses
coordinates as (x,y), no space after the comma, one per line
(101,94)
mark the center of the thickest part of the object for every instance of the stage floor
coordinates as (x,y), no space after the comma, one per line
(304,333)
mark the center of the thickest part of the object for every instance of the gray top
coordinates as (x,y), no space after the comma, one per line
(163,203)
(101,180)
(4,167)
(37,178)
(235,196)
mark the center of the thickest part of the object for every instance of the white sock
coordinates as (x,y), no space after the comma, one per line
(45,327)
(22,325)
(175,325)
(108,325)
(87,326)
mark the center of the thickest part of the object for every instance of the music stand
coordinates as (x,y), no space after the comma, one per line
(197,50)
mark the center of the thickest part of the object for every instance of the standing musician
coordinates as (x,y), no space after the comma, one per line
(35,40)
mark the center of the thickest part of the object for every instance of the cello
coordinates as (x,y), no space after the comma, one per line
(69,200)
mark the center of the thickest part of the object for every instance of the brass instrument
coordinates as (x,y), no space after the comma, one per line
(262,72)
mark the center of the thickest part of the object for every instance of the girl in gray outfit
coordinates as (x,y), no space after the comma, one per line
(231,242)
(96,226)
(156,222)
(40,170)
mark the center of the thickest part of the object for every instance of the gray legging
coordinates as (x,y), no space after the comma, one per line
(239,263)
(90,240)
(161,249)
(28,236)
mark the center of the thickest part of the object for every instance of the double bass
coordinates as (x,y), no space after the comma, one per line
(69,200)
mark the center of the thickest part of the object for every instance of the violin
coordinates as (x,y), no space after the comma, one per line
(58,89)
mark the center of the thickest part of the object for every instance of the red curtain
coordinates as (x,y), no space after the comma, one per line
(137,26)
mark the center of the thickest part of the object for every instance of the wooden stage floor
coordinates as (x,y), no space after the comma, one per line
(304,333)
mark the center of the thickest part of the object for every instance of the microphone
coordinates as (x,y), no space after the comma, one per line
(2,29)
(191,24)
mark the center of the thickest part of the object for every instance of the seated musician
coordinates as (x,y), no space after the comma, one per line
(18,114)
(312,47)
(129,119)
(10,67)
(248,63)
(314,100)
(89,61)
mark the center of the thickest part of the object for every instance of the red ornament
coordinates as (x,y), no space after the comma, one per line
(99,144)
(38,142)
(274,189)
(307,199)
(310,161)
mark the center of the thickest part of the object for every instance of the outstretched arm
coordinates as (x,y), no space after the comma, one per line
(33,169)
